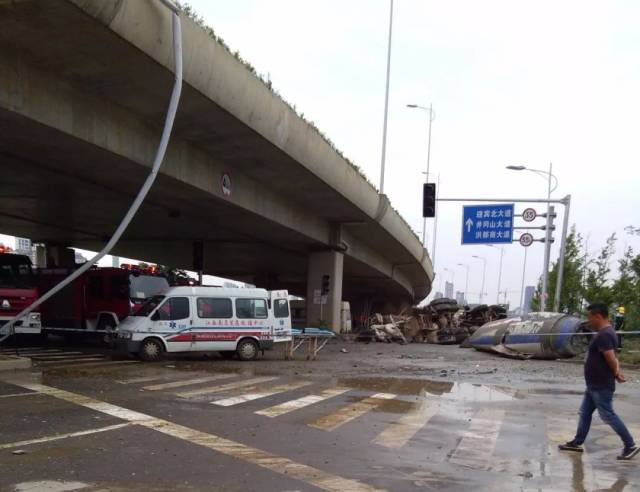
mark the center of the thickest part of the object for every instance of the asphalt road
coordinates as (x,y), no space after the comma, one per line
(379,417)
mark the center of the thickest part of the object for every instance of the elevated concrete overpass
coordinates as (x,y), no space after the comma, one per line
(84,87)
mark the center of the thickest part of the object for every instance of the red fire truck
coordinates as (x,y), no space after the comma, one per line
(96,302)
(17,291)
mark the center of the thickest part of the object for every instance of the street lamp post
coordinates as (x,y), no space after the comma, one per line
(524,272)
(386,101)
(466,283)
(484,274)
(499,269)
(431,118)
(547,240)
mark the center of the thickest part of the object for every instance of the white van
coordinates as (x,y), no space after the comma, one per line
(231,321)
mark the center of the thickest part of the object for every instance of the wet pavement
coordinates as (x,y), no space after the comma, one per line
(379,417)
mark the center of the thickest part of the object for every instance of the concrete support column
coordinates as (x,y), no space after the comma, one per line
(40,256)
(59,256)
(326,263)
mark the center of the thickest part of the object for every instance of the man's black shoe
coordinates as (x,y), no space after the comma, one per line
(628,453)
(571,446)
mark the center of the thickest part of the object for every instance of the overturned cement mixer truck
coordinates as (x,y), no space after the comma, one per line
(534,336)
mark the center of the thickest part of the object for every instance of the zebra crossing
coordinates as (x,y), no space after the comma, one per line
(472,436)
(59,358)
(393,423)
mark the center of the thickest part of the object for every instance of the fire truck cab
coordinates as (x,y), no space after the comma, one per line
(18,291)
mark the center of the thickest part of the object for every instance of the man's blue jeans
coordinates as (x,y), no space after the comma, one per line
(601,399)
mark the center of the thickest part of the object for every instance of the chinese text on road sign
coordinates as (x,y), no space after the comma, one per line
(487,224)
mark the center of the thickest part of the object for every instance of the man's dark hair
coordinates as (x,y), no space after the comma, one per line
(599,308)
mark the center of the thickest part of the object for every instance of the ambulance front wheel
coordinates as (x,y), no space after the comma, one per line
(247,349)
(151,350)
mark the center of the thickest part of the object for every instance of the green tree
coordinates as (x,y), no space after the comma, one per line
(597,286)
(571,294)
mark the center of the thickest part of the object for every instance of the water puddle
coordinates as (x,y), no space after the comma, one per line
(473,393)
(49,486)
(450,391)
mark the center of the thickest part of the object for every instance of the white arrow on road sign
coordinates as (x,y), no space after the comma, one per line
(526,240)
(469,224)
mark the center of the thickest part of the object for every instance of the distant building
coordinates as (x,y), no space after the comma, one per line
(24,247)
(460,298)
(438,295)
(529,292)
(448,290)
(79,258)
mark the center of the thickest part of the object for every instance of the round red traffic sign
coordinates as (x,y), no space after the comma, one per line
(526,240)
(226,184)
(529,215)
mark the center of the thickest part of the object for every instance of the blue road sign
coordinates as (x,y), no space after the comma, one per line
(487,224)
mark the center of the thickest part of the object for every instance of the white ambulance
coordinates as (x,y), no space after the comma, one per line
(231,321)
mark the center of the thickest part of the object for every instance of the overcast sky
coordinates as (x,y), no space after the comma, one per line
(511,82)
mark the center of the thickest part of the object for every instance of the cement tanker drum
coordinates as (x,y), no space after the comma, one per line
(537,335)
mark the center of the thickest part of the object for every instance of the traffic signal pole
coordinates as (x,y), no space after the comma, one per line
(563,250)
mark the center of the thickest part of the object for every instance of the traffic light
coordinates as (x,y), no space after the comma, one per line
(325,285)
(429,200)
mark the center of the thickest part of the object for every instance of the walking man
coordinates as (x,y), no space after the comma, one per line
(601,371)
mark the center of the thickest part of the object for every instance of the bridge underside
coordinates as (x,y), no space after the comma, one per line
(84,87)
(56,189)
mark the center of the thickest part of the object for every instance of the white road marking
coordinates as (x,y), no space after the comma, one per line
(256,395)
(13,350)
(350,412)
(225,387)
(33,352)
(63,362)
(141,379)
(18,394)
(277,464)
(57,437)
(305,401)
(475,450)
(70,355)
(96,364)
(401,431)
(177,384)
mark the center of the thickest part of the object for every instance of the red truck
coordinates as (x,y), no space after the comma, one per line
(97,301)
(17,291)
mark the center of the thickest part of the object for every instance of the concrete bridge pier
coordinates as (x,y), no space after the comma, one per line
(325,266)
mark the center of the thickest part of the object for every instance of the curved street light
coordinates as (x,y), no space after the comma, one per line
(431,118)
(547,245)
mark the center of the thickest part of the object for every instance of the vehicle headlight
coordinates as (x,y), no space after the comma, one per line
(34,317)
(125,335)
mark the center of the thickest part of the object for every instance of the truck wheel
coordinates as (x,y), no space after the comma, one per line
(247,349)
(151,350)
